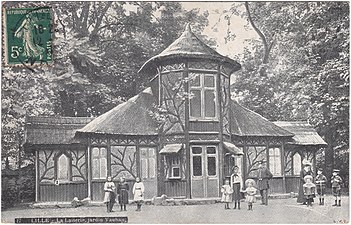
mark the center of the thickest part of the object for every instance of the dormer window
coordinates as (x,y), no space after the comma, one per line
(203,103)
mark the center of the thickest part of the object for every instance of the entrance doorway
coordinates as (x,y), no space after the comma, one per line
(204,171)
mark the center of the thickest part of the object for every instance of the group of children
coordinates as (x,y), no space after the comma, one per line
(122,191)
(310,189)
(233,191)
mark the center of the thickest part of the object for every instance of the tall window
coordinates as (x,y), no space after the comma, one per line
(296,163)
(203,103)
(211,161)
(63,168)
(197,161)
(99,162)
(275,161)
(148,162)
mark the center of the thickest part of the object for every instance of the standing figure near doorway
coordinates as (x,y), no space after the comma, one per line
(304,172)
(122,191)
(138,192)
(110,195)
(236,182)
(264,175)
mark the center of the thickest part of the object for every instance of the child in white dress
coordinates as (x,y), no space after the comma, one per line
(227,192)
(251,192)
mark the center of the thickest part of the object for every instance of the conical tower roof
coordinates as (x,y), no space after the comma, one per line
(189,46)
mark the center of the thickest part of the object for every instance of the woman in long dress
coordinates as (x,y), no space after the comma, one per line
(122,191)
(26,33)
(138,192)
(304,172)
(110,195)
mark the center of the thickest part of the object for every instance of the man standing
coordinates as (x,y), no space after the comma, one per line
(262,182)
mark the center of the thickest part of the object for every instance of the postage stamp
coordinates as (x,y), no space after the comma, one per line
(28,36)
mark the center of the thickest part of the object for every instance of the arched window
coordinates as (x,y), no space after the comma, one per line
(296,163)
(63,167)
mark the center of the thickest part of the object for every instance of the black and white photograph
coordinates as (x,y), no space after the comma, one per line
(175,112)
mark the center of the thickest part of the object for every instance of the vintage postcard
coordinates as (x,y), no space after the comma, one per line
(175,112)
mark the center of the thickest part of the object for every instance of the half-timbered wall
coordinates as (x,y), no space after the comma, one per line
(51,160)
(118,157)
(62,173)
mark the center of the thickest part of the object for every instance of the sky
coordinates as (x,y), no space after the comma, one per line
(237,26)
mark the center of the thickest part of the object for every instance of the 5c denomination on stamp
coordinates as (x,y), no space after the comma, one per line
(28,36)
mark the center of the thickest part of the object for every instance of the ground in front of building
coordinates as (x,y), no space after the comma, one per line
(278,211)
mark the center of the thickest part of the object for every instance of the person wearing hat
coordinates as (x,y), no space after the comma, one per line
(336,186)
(309,189)
(306,170)
(263,175)
(250,193)
(320,183)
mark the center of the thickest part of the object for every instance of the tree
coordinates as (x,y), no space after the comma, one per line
(99,47)
(304,52)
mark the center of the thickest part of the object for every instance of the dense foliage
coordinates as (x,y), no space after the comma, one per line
(98,49)
(299,69)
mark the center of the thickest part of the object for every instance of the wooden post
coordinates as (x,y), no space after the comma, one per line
(220,134)
(314,162)
(36,175)
(244,169)
(108,152)
(186,135)
(89,168)
(282,157)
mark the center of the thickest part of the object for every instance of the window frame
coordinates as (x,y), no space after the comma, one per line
(140,170)
(202,88)
(204,160)
(56,166)
(273,158)
(293,164)
(172,165)
(107,162)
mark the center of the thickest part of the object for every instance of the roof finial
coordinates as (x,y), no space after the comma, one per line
(187,27)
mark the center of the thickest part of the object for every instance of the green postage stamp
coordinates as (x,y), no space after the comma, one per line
(28,36)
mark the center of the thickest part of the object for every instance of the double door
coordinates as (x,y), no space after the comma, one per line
(204,171)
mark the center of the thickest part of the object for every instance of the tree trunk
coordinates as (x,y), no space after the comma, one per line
(267,46)
(329,155)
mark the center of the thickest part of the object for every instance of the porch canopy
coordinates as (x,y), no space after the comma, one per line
(304,133)
(232,148)
(171,148)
